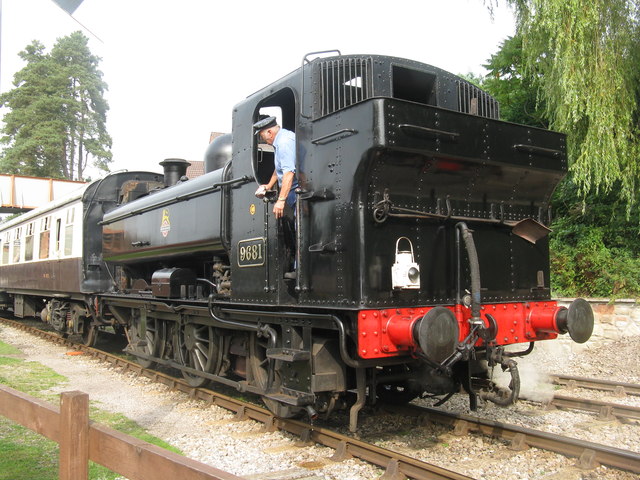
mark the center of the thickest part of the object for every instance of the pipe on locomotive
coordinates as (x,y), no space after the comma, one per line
(514,386)
(474,267)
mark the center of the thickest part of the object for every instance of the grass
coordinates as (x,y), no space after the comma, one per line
(29,377)
(25,455)
(6,349)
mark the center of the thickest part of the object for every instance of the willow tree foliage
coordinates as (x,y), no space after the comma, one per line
(586,54)
(56,118)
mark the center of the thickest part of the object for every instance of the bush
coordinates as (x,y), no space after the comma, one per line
(595,247)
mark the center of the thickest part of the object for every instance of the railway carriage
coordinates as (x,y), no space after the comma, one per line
(419,238)
(51,264)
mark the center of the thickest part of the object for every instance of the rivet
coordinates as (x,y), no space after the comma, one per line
(364,352)
(364,334)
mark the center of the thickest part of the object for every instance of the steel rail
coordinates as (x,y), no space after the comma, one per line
(588,452)
(619,388)
(605,410)
(346,447)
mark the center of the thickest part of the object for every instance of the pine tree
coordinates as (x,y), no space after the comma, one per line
(57,112)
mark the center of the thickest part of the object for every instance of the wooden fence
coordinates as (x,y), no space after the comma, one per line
(81,440)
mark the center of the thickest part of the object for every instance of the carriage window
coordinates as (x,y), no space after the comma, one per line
(16,244)
(28,243)
(45,234)
(68,233)
(5,249)
(58,234)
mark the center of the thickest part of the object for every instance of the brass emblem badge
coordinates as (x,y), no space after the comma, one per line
(165,225)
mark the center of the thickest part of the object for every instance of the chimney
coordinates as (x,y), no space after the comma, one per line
(174,169)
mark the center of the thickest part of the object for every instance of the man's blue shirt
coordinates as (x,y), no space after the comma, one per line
(285,159)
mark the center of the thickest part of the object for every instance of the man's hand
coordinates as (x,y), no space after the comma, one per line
(278,209)
(261,191)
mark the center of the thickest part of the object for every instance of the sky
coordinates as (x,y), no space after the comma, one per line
(175,69)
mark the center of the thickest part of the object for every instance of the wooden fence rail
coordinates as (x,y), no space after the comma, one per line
(81,440)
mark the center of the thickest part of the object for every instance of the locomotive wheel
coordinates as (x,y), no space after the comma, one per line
(89,333)
(149,345)
(198,348)
(259,368)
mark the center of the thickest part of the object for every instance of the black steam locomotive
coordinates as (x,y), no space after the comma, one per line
(419,240)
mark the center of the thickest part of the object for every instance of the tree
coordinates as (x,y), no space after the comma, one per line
(594,242)
(588,55)
(515,89)
(57,113)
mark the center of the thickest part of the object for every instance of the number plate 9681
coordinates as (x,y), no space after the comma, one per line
(251,252)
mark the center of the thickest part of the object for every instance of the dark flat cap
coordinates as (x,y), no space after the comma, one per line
(264,123)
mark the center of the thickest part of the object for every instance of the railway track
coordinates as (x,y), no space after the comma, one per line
(618,388)
(396,464)
(604,410)
(589,454)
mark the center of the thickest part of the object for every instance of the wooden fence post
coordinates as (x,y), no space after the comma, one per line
(74,436)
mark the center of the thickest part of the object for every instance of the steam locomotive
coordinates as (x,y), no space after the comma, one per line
(420,241)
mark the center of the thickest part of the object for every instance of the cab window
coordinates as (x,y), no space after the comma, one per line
(282,106)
